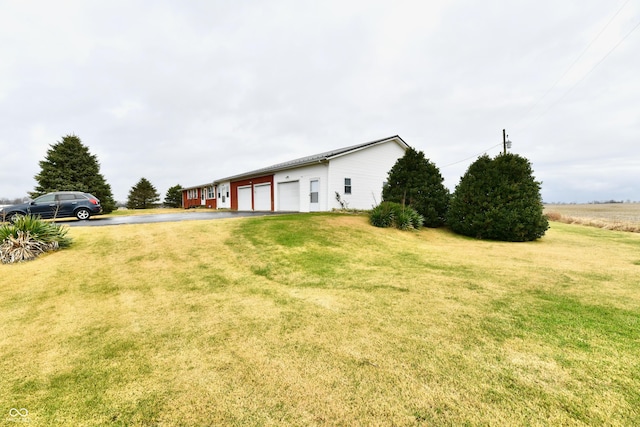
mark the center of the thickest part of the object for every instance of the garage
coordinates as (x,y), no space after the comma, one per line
(289,196)
(262,197)
(244,198)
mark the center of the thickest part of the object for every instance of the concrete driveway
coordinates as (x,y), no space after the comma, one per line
(170,217)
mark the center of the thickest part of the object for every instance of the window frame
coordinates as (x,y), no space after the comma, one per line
(348,186)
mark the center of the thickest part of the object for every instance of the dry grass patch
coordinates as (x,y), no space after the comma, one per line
(323,320)
(609,216)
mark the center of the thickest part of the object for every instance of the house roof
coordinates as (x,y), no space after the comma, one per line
(195,187)
(316,158)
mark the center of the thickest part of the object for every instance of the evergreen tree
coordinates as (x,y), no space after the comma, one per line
(173,198)
(417,182)
(143,195)
(69,166)
(498,199)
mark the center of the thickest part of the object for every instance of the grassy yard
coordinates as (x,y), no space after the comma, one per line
(322,320)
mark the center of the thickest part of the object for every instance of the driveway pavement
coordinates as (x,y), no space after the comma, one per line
(170,217)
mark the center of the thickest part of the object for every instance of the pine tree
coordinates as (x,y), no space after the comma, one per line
(69,166)
(173,198)
(498,199)
(143,195)
(417,182)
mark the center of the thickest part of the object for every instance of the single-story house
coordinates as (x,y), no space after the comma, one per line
(353,176)
(199,195)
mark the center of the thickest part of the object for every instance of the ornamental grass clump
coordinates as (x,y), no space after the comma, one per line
(390,214)
(28,237)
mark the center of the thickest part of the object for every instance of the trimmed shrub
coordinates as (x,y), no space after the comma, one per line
(390,214)
(29,237)
(498,199)
(415,181)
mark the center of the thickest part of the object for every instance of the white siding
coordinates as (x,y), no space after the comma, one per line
(304,175)
(368,169)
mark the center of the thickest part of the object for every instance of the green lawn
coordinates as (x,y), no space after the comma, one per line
(322,319)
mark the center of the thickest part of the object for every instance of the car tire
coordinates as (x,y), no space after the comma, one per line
(14,216)
(83,214)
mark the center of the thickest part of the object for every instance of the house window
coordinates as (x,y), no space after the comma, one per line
(347,186)
(211,193)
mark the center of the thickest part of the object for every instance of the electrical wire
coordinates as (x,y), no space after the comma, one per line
(562,76)
(535,104)
(471,157)
(568,91)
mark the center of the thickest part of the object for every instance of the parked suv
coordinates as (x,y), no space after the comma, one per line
(61,204)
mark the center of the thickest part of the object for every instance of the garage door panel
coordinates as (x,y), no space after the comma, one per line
(289,196)
(244,198)
(262,197)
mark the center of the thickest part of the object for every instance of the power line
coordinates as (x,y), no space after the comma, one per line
(568,91)
(471,157)
(562,76)
(535,104)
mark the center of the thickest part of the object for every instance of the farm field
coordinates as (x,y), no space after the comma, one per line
(617,216)
(322,320)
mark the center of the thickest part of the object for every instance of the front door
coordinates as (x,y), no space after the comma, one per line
(314,195)
(45,206)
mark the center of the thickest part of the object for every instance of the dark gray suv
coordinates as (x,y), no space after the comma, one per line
(61,204)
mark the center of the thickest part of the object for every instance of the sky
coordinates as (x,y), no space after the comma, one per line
(185,92)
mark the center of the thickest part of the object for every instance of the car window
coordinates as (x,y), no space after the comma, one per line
(47,198)
(66,197)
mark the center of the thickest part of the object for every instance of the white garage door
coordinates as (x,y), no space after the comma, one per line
(262,197)
(289,196)
(244,198)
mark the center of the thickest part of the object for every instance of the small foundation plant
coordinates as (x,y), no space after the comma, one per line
(391,214)
(28,237)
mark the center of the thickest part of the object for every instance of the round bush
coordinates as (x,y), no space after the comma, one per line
(498,199)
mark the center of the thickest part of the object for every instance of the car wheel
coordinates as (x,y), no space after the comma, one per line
(83,214)
(12,217)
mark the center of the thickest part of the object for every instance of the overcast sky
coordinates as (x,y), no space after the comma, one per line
(185,92)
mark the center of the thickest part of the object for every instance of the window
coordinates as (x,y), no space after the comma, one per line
(347,186)
(211,193)
(47,198)
(66,197)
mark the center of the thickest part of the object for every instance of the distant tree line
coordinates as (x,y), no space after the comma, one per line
(5,201)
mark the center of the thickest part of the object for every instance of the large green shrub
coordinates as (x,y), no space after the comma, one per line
(29,237)
(390,214)
(415,181)
(143,195)
(498,199)
(69,166)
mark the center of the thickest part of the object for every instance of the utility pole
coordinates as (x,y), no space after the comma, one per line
(505,142)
